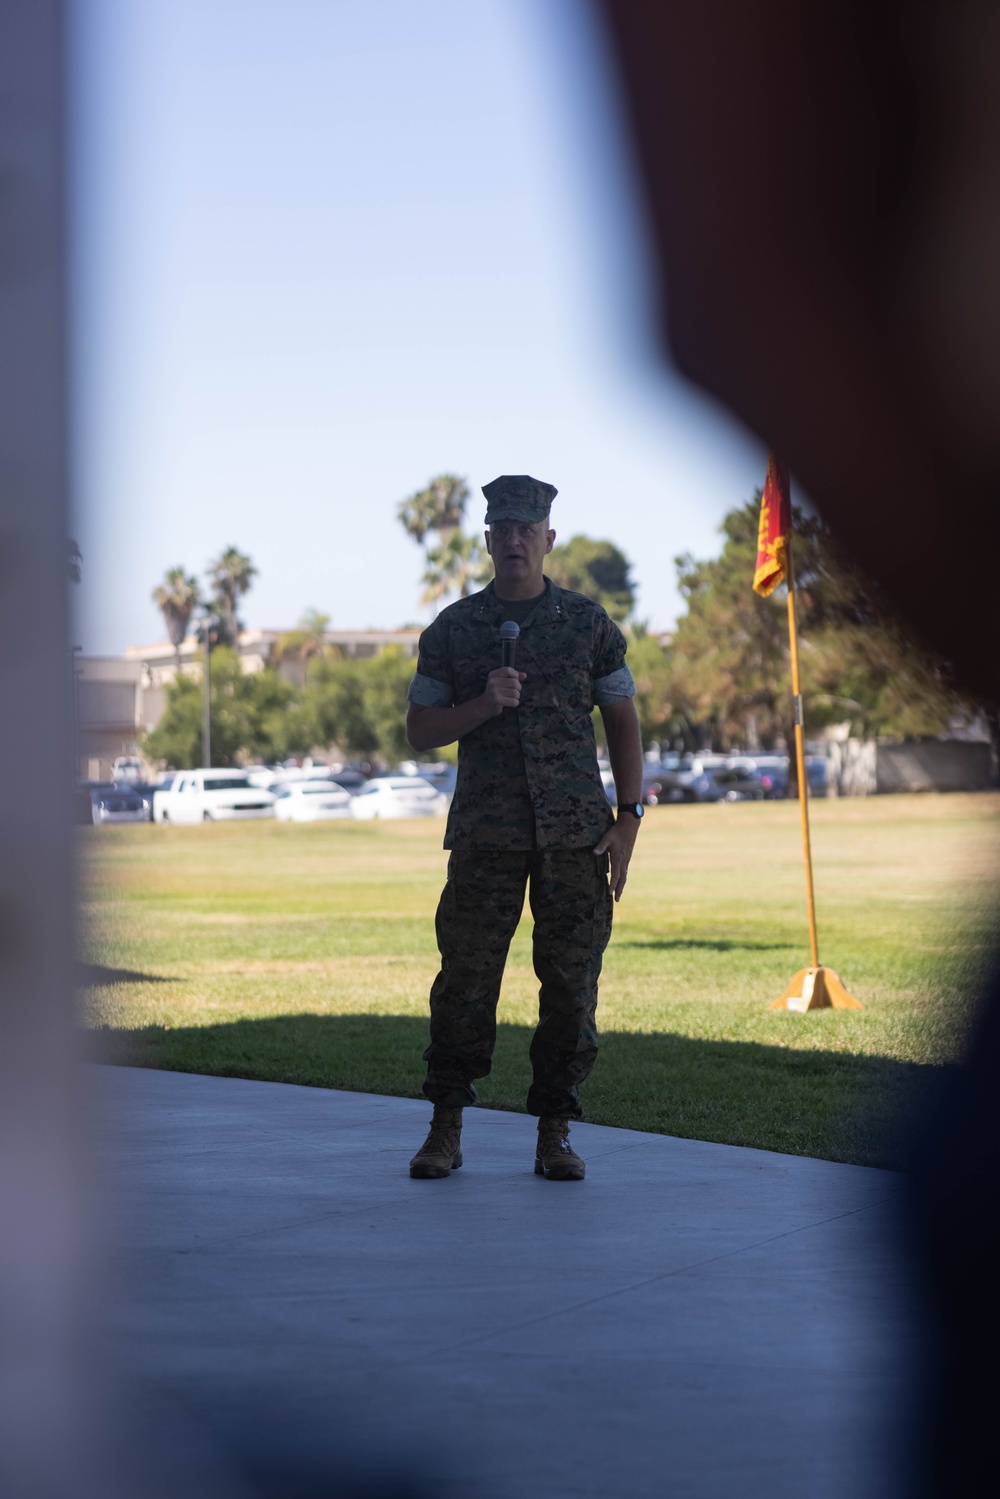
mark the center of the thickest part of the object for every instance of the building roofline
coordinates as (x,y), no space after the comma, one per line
(252,637)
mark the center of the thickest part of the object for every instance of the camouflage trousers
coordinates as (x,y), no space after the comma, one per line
(477,916)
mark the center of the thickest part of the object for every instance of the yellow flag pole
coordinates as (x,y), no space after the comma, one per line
(814,988)
(800,755)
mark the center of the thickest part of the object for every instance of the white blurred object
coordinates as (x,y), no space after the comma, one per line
(211,796)
(312,800)
(398,796)
(127,768)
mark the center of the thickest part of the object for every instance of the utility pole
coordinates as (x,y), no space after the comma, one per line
(206,720)
(75,701)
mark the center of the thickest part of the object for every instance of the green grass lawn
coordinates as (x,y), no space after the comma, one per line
(304,954)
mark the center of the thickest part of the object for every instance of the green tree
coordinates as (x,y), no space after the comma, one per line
(729,655)
(308,639)
(384,697)
(360,706)
(251,717)
(660,713)
(231,575)
(456,566)
(457,562)
(596,568)
(295,649)
(858,661)
(177,597)
(440,507)
(729,658)
(333,708)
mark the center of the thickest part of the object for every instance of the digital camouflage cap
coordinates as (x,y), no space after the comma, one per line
(518,497)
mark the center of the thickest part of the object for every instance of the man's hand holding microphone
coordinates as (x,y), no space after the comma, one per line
(429,728)
(503,689)
(503,686)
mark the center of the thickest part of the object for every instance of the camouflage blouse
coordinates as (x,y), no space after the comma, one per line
(527,778)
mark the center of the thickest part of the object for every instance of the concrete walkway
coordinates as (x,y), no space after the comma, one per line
(694,1320)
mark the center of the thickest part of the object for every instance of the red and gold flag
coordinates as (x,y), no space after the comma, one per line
(774,531)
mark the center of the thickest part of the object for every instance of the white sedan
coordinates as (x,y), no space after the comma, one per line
(210,796)
(311,801)
(398,796)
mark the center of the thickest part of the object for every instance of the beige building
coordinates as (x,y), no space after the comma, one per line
(115,704)
(258,648)
(120,698)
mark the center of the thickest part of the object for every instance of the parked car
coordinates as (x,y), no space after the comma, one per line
(311,801)
(771,767)
(259,775)
(437,773)
(676,782)
(774,780)
(351,780)
(777,776)
(720,784)
(657,785)
(398,796)
(275,778)
(126,768)
(433,771)
(111,803)
(211,796)
(147,790)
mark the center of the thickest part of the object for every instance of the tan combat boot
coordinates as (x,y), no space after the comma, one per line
(441,1152)
(555,1156)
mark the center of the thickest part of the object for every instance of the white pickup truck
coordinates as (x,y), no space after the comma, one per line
(211,796)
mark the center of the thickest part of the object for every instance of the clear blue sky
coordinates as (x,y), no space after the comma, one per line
(325,249)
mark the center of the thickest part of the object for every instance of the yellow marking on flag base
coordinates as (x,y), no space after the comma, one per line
(816,989)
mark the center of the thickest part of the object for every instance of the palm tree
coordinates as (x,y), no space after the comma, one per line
(440,507)
(453,567)
(455,561)
(177,597)
(232,574)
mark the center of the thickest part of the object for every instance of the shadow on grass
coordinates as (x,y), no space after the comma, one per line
(828,1104)
(699,944)
(95,976)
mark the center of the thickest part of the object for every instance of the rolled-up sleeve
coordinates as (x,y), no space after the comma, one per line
(613,682)
(433,685)
(428,692)
(614,688)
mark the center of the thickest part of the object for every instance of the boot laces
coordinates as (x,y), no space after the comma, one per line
(554,1135)
(441,1140)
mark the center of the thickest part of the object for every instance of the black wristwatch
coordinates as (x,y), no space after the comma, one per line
(636,808)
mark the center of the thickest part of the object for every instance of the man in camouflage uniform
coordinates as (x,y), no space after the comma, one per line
(529,809)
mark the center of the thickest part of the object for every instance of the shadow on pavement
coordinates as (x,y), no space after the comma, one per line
(826,1103)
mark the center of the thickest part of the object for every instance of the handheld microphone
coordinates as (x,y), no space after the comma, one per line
(509,631)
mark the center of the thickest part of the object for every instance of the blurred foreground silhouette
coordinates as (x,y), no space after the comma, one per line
(823,183)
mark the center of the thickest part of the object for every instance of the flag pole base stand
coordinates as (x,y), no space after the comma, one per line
(816,989)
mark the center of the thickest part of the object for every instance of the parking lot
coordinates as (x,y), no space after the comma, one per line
(320,792)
